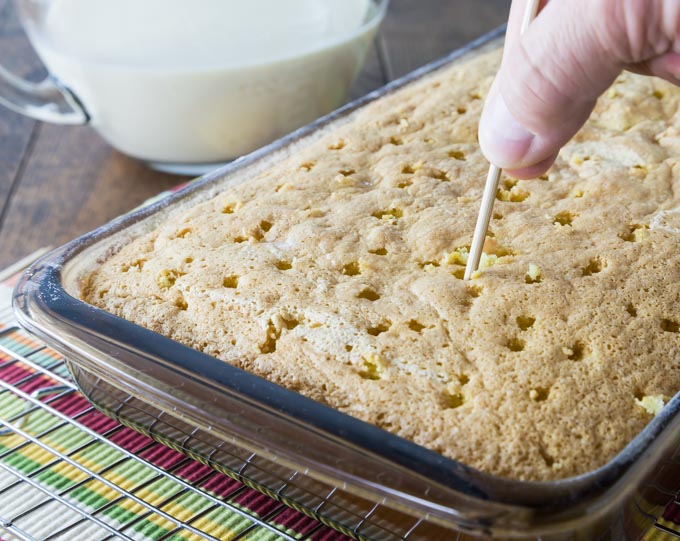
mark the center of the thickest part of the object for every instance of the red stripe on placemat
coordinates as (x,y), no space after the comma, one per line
(71,404)
(16,372)
(672,511)
(193,471)
(254,500)
(162,456)
(130,440)
(297,522)
(99,423)
(221,485)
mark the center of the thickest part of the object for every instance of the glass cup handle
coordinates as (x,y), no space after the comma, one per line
(47,100)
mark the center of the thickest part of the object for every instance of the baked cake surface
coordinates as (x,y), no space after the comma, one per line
(337,273)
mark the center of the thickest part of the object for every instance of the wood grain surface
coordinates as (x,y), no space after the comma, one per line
(58,182)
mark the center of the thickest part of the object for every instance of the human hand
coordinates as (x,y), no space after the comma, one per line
(551,76)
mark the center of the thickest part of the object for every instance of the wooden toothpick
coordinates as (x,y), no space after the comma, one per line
(492,179)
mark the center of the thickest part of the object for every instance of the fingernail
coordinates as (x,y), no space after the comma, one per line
(504,141)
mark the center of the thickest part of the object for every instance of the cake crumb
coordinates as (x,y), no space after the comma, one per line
(652,404)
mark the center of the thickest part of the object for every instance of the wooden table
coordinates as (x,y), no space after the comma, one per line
(57,182)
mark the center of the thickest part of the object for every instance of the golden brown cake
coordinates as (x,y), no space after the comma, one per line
(337,273)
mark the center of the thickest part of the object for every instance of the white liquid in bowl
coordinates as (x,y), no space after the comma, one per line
(203,80)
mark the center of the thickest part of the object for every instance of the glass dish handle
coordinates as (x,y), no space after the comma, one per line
(47,100)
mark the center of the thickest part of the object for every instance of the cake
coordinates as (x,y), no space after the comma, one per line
(337,273)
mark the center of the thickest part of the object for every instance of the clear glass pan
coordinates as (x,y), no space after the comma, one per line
(112,357)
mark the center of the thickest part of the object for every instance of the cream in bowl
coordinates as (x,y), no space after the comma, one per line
(184,84)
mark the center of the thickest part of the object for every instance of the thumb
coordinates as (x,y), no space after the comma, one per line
(552,75)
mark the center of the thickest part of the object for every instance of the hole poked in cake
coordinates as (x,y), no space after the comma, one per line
(429,266)
(459,256)
(652,404)
(534,275)
(388,214)
(635,233)
(516,344)
(231,206)
(378,251)
(230,282)
(136,264)
(457,155)
(539,394)
(290,322)
(577,159)
(262,228)
(271,337)
(575,352)
(525,322)
(410,169)
(183,233)
(443,176)
(372,366)
(167,278)
(594,266)
(416,326)
(273,332)
(284,265)
(668,325)
(459,273)
(461,110)
(181,303)
(547,458)
(396,141)
(338,145)
(452,400)
(514,195)
(564,218)
(351,269)
(369,294)
(632,311)
(639,170)
(379,328)
(475,290)
(347,172)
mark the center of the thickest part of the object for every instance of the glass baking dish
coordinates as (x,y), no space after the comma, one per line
(272,438)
